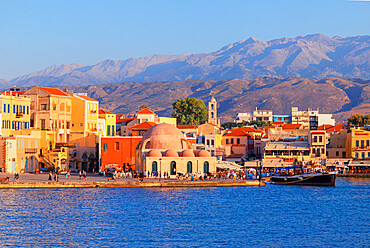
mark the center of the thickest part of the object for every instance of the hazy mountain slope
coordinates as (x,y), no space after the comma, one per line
(332,95)
(312,56)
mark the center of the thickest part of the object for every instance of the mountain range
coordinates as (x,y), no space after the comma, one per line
(331,95)
(312,56)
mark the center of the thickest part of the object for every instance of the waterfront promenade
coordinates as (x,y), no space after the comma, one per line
(97,181)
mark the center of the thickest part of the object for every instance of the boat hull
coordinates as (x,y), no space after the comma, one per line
(305,180)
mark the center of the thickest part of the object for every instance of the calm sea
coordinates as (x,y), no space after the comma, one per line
(271,216)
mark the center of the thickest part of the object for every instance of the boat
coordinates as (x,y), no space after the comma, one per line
(314,179)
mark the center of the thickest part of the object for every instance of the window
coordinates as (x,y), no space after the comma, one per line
(105,147)
(189,167)
(207,142)
(13,109)
(238,141)
(356,155)
(337,153)
(320,138)
(68,125)
(314,138)
(117,146)
(227,141)
(357,143)
(363,155)
(35,144)
(80,124)
(44,106)
(206,167)
(42,123)
(155,166)
(8,108)
(367,143)
(108,130)
(232,140)
(368,154)
(212,142)
(362,144)
(4,108)
(28,110)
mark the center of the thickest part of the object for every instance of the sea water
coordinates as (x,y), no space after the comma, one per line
(270,216)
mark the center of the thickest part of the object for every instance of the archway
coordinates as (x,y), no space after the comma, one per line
(206,167)
(189,167)
(173,168)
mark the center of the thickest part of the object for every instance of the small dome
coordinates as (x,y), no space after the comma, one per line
(203,153)
(164,136)
(170,153)
(154,153)
(187,153)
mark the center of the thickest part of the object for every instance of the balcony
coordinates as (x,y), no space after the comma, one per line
(93,112)
(19,115)
(64,144)
(30,150)
(359,148)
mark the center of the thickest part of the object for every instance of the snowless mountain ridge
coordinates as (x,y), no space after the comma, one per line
(311,56)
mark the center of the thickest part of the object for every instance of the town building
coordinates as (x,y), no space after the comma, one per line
(51,109)
(358,144)
(164,148)
(262,115)
(240,117)
(14,112)
(110,122)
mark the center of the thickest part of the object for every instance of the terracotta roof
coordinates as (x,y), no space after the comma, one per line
(211,124)
(144,125)
(145,111)
(104,112)
(125,119)
(291,126)
(187,126)
(336,128)
(86,98)
(326,127)
(238,132)
(13,92)
(53,91)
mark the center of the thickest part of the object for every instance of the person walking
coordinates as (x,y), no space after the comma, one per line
(50,176)
(80,174)
(85,175)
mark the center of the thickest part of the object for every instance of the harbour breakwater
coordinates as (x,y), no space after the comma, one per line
(136,184)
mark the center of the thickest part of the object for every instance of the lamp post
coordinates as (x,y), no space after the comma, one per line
(160,169)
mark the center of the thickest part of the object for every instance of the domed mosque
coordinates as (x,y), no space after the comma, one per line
(164,148)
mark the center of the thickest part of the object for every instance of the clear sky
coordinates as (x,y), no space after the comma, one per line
(35,34)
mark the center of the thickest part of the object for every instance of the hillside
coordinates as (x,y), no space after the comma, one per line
(330,95)
(311,56)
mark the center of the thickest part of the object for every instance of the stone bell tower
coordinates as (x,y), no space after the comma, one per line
(212,111)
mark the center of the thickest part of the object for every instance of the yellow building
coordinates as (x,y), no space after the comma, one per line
(51,109)
(84,114)
(358,144)
(110,122)
(14,112)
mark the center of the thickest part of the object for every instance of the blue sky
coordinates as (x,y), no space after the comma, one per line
(39,33)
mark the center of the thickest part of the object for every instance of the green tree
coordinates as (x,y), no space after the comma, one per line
(143,107)
(357,120)
(189,111)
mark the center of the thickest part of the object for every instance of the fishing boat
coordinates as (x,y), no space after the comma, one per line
(314,179)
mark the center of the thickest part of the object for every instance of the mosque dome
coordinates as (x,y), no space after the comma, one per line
(187,153)
(170,153)
(164,137)
(203,153)
(154,153)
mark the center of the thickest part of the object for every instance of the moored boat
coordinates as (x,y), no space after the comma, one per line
(315,179)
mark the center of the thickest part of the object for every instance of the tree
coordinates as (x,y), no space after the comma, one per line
(357,120)
(189,111)
(143,107)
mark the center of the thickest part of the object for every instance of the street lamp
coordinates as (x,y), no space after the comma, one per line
(160,169)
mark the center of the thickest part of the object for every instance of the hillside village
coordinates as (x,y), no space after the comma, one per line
(46,128)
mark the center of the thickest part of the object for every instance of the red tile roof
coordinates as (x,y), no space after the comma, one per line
(144,125)
(145,111)
(125,119)
(13,92)
(336,128)
(187,126)
(291,126)
(104,112)
(53,91)
(238,132)
(326,127)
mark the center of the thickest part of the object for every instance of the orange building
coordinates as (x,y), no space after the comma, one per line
(119,152)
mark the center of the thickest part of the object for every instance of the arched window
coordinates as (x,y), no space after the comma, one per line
(212,106)
(155,166)
(189,167)
(206,167)
(173,168)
